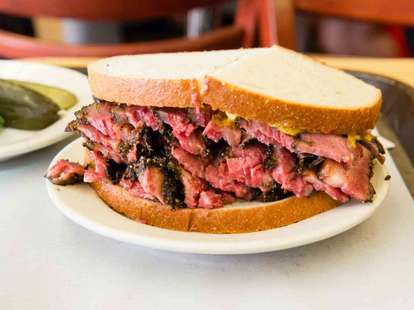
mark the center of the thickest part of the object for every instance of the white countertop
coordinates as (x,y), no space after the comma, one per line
(49,262)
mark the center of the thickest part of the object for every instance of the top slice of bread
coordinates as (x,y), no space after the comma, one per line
(274,85)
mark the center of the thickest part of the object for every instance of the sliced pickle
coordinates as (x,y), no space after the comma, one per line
(63,98)
(23,108)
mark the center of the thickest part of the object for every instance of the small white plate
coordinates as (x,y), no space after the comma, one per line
(14,142)
(82,205)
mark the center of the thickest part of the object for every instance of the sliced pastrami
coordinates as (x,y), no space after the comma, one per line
(106,151)
(376,149)
(200,115)
(152,180)
(135,188)
(137,114)
(210,200)
(152,143)
(216,174)
(268,164)
(96,170)
(64,172)
(215,132)
(219,177)
(115,171)
(109,120)
(285,174)
(267,134)
(184,130)
(193,143)
(191,163)
(193,186)
(115,149)
(100,117)
(178,120)
(351,177)
(328,146)
(311,177)
(93,134)
(246,165)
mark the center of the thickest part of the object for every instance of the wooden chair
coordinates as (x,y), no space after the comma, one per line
(395,12)
(241,33)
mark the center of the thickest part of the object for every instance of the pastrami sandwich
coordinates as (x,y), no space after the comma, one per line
(225,141)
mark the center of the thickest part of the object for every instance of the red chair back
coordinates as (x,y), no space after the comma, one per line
(240,34)
(395,12)
(101,9)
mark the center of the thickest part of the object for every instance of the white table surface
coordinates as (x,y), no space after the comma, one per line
(49,262)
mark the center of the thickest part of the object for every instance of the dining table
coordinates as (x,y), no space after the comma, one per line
(49,262)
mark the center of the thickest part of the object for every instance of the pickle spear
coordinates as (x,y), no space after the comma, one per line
(23,108)
(63,98)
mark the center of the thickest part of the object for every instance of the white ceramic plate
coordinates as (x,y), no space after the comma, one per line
(82,205)
(15,142)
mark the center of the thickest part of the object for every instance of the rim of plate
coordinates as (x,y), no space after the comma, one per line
(69,79)
(98,217)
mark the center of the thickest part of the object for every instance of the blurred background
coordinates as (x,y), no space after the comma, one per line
(33,28)
(72,33)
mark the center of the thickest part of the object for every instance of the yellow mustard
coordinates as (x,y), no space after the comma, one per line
(354,138)
(287,130)
(223,120)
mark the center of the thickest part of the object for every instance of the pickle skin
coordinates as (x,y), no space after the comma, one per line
(63,98)
(23,108)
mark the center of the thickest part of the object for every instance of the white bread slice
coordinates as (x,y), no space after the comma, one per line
(278,73)
(249,217)
(273,85)
(168,66)
(163,80)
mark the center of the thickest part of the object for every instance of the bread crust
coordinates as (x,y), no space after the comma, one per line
(315,119)
(144,92)
(228,98)
(220,220)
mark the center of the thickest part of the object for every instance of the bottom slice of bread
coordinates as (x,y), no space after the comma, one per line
(234,218)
